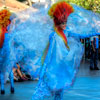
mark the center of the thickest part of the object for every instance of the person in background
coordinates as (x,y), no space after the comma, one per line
(94,53)
(18,75)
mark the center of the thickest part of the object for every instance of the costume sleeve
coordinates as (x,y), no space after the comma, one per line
(83,23)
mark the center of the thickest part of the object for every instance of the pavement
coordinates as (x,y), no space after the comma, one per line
(86,87)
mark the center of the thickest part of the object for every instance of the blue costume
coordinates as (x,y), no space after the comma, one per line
(57,72)
(7,60)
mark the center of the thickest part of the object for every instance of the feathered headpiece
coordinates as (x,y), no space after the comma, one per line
(4,18)
(60,12)
(4,22)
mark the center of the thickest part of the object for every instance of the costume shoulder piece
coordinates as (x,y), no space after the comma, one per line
(80,23)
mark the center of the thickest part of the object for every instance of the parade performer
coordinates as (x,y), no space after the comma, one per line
(7,57)
(4,49)
(61,57)
(9,53)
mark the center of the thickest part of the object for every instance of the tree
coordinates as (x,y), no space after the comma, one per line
(93,5)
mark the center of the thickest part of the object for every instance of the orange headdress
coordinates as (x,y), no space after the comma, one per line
(60,12)
(4,22)
(4,18)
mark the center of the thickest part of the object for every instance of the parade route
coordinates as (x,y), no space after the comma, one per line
(86,87)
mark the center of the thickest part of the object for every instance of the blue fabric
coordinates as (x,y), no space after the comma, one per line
(11,76)
(7,56)
(80,24)
(29,41)
(2,80)
(15,66)
(59,59)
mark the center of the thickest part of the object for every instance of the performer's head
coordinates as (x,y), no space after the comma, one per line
(4,18)
(59,12)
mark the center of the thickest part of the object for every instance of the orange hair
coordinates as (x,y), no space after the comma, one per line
(4,22)
(4,18)
(60,12)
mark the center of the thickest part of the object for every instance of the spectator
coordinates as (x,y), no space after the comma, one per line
(94,53)
(18,75)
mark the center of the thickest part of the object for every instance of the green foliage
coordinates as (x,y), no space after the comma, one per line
(93,5)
